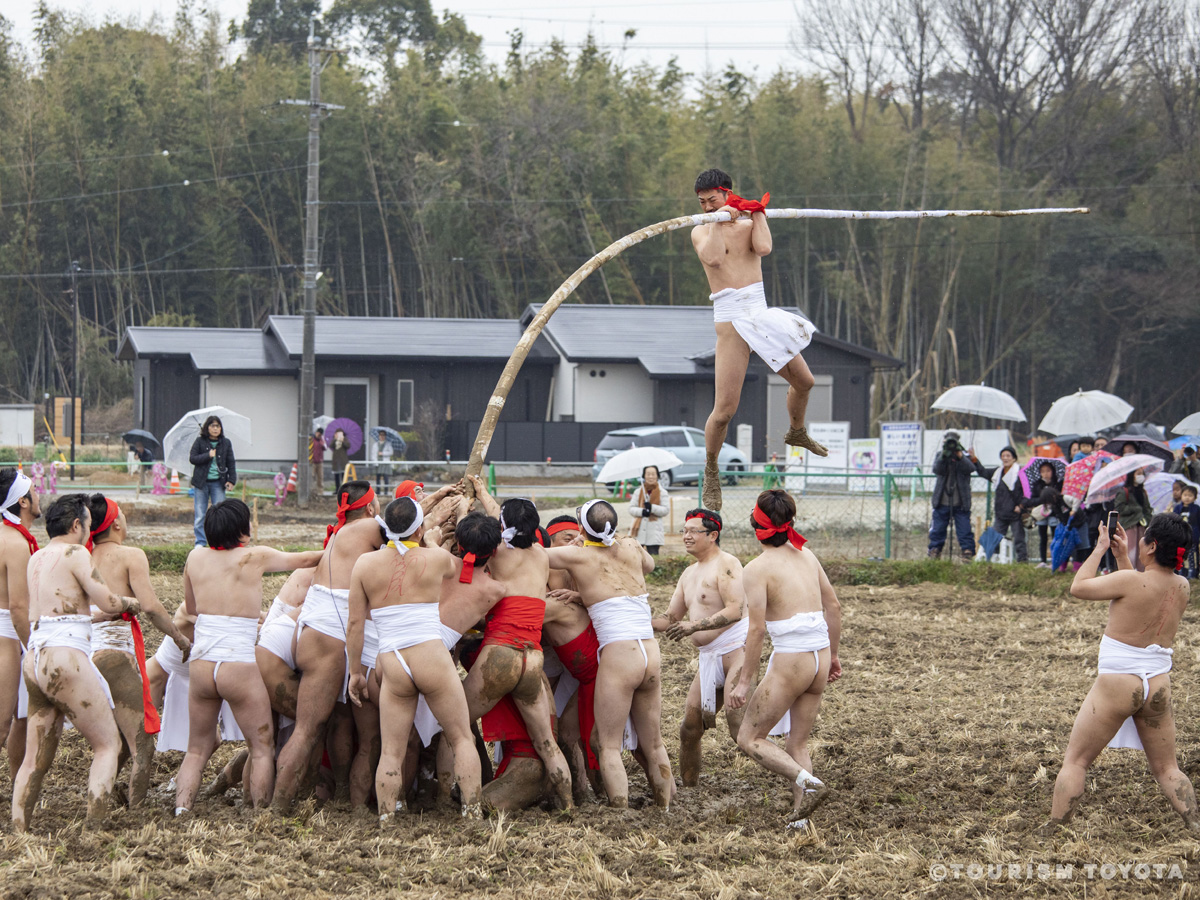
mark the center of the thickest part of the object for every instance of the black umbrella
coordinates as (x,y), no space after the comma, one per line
(136,434)
(1143,444)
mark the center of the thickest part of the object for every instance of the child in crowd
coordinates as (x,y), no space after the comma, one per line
(1190,512)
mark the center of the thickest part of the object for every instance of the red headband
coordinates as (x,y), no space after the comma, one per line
(110,515)
(744,205)
(407,488)
(562,526)
(468,570)
(1180,554)
(716,523)
(344,507)
(765,528)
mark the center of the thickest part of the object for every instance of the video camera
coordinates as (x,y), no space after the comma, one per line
(951,445)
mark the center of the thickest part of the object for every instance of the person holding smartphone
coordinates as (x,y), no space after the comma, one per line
(1134,511)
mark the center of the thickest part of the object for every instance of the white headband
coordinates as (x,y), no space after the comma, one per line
(608,538)
(507,533)
(20,487)
(397,539)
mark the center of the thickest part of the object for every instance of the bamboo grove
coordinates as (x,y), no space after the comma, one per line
(159,158)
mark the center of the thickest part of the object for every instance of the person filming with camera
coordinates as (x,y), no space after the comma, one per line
(953,467)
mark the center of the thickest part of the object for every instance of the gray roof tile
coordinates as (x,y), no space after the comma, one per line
(407,338)
(209,349)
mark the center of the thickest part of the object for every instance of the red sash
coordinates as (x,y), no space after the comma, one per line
(516,622)
(152,722)
(24,532)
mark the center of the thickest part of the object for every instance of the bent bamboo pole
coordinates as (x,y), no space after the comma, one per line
(488,427)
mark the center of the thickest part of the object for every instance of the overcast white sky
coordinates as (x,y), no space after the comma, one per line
(704,34)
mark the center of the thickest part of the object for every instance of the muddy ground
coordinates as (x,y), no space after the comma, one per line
(942,741)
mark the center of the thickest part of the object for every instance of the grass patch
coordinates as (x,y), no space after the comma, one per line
(1013,579)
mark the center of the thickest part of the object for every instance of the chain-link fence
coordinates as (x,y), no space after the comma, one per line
(852,516)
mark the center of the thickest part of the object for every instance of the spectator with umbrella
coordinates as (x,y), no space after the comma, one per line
(1011,501)
(215,472)
(1048,478)
(316,459)
(647,507)
(1187,463)
(1134,510)
(138,441)
(339,448)
(1187,509)
(381,454)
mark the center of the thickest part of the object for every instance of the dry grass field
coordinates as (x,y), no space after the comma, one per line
(942,741)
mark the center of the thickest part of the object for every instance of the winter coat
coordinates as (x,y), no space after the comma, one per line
(226,464)
(962,470)
(1006,499)
(651,532)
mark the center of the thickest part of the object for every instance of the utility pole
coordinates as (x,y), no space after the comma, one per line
(74,272)
(316,110)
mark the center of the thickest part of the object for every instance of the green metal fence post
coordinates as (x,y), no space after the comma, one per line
(887,516)
(492,479)
(988,515)
(700,491)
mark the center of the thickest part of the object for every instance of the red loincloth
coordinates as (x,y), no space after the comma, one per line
(503,723)
(516,622)
(580,657)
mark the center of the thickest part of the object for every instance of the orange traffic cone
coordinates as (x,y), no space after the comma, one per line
(291,485)
(174,481)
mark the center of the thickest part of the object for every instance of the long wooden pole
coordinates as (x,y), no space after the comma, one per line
(487,427)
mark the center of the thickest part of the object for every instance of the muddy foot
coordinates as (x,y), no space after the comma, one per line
(799,437)
(813,798)
(217,787)
(712,486)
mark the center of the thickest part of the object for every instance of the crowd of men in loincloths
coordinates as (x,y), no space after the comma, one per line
(348,686)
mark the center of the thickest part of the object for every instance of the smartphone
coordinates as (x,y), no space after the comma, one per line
(1113,522)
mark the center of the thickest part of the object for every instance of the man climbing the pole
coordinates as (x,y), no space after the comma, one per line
(731,253)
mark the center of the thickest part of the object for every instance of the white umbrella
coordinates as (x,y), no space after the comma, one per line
(1108,480)
(1159,489)
(177,445)
(1189,425)
(981,400)
(1085,412)
(321,422)
(630,463)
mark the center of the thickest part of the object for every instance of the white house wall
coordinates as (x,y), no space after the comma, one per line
(272,404)
(623,393)
(564,391)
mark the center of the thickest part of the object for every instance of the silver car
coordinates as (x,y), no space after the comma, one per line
(686,443)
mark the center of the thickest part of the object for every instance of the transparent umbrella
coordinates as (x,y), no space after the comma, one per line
(630,463)
(177,443)
(980,400)
(1084,412)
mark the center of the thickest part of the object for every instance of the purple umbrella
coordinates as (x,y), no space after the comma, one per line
(1029,473)
(351,429)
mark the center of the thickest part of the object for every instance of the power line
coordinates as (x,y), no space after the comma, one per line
(187,182)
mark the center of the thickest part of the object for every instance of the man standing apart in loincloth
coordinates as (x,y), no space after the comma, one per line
(321,639)
(711,595)
(731,253)
(59,673)
(120,653)
(222,588)
(1129,704)
(610,573)
(20,509)
(789,597)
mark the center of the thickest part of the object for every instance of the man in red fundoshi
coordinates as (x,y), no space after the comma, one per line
(731,253)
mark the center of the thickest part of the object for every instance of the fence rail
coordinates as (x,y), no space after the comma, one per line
(850,514)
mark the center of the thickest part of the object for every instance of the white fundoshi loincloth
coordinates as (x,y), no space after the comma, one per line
(327,610)
(805,632)
(774,334)
(222,639)
(624,619)
(113,634)
(73,632)
(567,684)
(175,722)
(425,721)
(276,637)
(712,667)
(7,630)
(1117,658)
